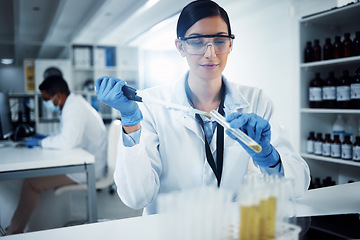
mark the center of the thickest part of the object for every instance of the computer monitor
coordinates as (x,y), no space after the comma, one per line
(6,127)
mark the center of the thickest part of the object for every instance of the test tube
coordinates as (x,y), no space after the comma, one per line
(236,132)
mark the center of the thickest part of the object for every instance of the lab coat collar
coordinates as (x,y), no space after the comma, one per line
(234,100)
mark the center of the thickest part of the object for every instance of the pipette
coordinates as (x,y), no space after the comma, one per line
(132,94)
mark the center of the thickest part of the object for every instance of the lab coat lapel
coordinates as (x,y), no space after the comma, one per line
(188,121)
(191,124)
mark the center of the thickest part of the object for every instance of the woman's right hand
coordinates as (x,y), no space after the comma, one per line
(109,91)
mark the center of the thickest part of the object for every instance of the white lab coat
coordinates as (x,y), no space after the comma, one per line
(171,153)
(80,127)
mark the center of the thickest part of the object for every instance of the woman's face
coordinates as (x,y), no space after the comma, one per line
(209,65)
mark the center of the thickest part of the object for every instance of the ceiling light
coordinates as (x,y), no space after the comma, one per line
(7,61)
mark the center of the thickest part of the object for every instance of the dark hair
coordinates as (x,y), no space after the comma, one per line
(196,11)
(52,71)
(54,84)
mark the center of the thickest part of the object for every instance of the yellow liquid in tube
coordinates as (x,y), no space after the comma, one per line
(254,222)
(244,223)
(271,217)
(263,219)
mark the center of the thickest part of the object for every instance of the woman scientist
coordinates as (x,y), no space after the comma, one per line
(164,150)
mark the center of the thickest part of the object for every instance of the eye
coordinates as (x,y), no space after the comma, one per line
(220,41)
(196,42)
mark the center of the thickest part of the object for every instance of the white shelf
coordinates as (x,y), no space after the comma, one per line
(334,18)
(323,110)
(332,62)
(329,159)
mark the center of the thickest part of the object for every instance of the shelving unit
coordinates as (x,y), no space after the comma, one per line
(321,26)
(86,63)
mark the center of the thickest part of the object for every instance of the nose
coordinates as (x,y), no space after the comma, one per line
(209,51)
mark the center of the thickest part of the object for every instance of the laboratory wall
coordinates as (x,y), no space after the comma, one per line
(11,79)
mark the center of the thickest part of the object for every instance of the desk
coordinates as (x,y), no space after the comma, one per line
(147,227)
(37,162)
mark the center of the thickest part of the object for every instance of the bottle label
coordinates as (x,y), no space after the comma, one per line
(355,91)
(318,148)
(310,146)
(326,149)
(329,93)
(346,151)
(356,153)
(335,150)
(343,93)
(315,94)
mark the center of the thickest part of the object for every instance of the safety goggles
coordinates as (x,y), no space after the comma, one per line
(197,45)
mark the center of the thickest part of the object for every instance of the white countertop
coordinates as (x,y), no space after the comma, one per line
(13,158)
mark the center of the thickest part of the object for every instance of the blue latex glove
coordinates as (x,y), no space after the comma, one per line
(109,91)
(39,136)
(32,142)
(258,129)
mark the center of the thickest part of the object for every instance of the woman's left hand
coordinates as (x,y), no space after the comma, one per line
(258,129)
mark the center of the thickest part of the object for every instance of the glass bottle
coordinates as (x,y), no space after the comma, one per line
(336,147)
(315,94)
(338,47)
(326,147)
(355,90)
(317,183)
(356,149)
(310,143)
(327,49)
(356,44)
(317,50)
(343,91)
(347,45)
(346,149)
(329,91)
(318,144)
(308,52)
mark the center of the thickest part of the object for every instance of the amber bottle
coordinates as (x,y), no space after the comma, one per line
(318,144)
(310,143)
(338,47)
(315,92)
(355,90)
(343,91)
(356,44)
(336,147)
(346,148)
(356,149)
(347,46)
(326,147)
(317,50)
(327,49)
(308,53)
(329,91)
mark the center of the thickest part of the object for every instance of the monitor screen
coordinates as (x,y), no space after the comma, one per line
(6,127)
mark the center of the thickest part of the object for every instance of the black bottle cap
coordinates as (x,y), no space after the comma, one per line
(328,40)
(347,35)
(337,38)
(316,41)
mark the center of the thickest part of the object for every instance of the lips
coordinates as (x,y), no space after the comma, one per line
(209,66)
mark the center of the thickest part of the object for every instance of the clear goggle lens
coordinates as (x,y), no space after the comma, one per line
(199,45)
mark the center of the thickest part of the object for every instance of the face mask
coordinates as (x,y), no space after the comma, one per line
(50,105)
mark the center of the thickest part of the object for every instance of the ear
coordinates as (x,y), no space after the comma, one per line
(231,45)
(180,47)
